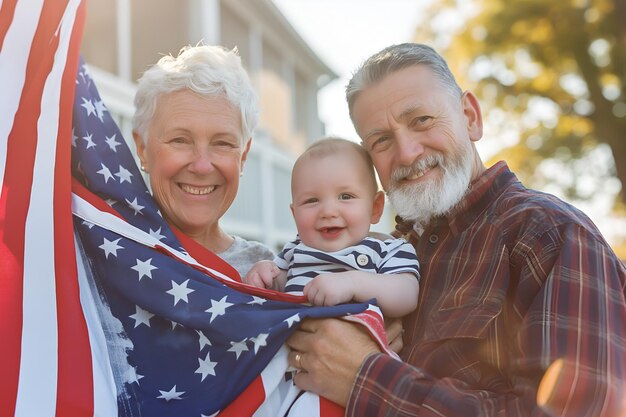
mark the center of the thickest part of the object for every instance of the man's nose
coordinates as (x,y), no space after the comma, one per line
(409,147)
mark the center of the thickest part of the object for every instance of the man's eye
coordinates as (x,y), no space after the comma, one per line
(311,200)
(380,142)
(420,121)
(345,196)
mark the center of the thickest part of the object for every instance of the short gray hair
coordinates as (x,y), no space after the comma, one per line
(397,57)
(209,71)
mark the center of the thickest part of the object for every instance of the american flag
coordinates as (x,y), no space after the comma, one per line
(109,311)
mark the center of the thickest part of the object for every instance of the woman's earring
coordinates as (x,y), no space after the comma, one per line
(143,168)
(241,174)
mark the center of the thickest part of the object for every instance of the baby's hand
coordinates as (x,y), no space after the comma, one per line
(330,289)
(262,274)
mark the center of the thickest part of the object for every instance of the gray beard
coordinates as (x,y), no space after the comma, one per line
(421,202)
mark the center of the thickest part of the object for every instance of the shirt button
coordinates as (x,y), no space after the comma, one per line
(362,260)
(433,238)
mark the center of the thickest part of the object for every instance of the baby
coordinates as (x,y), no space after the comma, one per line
(335,199)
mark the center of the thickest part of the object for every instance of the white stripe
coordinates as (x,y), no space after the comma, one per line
(84,210)
(105,391)
(279,393)
(13,60)
(37,390)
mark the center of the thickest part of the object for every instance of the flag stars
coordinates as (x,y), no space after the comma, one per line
(203,340)
(257,300)
(105,172)
(207,367)
(144,268)
(180,291)
(156,234)
(293,319)
(100,108)
(259,341)
(131,376)
(88,105)
(218,308)
(113,144)
(141,316)
(89,140)
(135,206)
(238,347)
(110,247)
(171,394)
(124,175)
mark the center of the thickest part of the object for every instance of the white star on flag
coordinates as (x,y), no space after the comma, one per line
(293,319)
(113,144)
(141,316)
(204,341)
(135,206)
(259,341)
(124,175)
(206,367)
(88,105)
(144,268)
(218,308)
(156,234)
(100,109)
(90,143)
(105,172)
(180,291)
(257,300)
(110,247)
(171,394)
(238,347)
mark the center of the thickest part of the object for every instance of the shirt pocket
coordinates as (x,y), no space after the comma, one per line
(465,321)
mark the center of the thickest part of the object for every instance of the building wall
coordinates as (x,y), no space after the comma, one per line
(124,37)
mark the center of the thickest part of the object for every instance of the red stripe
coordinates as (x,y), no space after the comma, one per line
(247,402)
(330,409)
(75,378)
(6,17)
(15,200)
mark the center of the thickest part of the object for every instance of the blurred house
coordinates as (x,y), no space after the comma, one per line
(124,37)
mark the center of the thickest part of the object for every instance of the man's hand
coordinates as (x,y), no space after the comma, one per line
(394,330)
(330,353)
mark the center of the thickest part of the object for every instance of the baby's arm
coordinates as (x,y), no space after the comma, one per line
(265,274)
(396,294)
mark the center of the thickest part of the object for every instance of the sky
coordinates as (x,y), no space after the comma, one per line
(344,33)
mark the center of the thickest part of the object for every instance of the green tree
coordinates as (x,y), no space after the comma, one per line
(554,71)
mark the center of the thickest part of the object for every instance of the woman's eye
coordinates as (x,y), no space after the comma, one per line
(179,140)
(225,144)
(311,200)
(345,196)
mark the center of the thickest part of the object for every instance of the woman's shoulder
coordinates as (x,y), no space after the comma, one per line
(251,249)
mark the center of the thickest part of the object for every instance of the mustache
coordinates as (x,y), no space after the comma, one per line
(418,167)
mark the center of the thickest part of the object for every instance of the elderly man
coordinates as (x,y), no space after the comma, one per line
(515,282)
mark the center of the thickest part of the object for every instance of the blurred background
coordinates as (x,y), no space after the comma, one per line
(551,78)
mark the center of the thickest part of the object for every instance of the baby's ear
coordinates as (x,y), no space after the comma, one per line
(378,207)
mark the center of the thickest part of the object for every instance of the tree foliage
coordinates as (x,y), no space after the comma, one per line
(557,70)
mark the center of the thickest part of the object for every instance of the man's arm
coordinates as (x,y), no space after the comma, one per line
(578,315)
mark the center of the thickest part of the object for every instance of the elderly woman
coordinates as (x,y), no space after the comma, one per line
(193,125)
